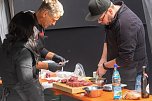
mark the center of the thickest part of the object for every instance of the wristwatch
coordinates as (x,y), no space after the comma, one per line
(106,68)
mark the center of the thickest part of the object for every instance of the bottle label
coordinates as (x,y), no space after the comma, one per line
(117,92)
(138,83)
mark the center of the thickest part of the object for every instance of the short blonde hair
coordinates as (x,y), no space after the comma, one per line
(54,7)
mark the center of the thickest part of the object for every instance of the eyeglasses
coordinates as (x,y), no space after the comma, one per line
(102,18)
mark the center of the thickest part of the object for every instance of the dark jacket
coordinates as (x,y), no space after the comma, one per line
(125,38)
(19,74)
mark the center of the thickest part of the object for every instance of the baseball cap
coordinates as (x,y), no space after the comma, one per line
(96,9)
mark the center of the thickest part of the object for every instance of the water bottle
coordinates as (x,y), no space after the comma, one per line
(144,83)
(116,83)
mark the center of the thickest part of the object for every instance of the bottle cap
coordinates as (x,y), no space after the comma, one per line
(144,67)
(115,65)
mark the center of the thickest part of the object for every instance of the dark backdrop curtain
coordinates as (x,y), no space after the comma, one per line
(148,16)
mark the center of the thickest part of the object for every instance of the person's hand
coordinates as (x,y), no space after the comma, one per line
(101,71)
(58,58)
(53,66)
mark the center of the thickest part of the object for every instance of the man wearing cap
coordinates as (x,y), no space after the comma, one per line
(125,40)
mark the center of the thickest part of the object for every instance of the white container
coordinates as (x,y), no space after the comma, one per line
(64,74)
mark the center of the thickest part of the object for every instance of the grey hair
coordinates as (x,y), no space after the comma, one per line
(54,7)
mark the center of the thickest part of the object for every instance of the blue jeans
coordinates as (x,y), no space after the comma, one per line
(138,83)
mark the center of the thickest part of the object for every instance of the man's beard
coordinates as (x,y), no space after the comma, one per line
(110,19)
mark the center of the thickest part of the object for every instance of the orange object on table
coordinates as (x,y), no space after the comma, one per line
(0,82)
(106,96)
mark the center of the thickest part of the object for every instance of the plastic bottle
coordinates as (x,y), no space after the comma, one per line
(138,83)
(116,83)
(144,83)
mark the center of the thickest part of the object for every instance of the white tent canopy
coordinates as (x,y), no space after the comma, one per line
(6,12)
(3,20)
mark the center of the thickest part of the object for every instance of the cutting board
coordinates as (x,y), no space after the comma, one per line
(66,88)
